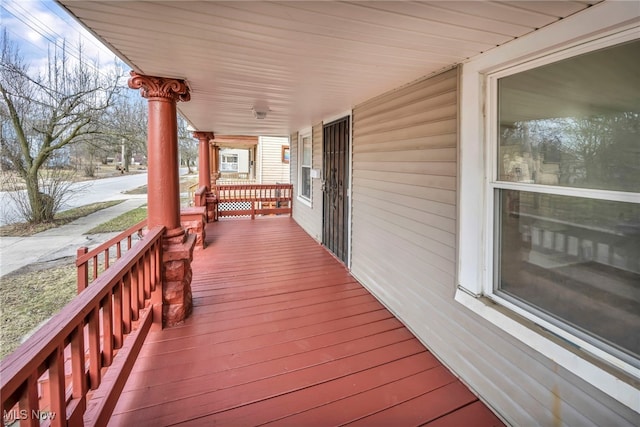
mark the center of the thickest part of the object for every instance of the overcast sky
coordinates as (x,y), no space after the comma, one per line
(36,25)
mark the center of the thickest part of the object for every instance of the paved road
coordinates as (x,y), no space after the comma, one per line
(105,189)
(84,193)
(61,242)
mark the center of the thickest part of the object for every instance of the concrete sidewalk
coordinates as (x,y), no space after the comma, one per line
(61,242)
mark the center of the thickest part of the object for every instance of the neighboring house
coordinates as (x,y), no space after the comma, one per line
(234,160)
(437,195)
(262,162)
(272,164)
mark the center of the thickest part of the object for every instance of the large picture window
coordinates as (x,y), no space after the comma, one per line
(566,195)
(304,182)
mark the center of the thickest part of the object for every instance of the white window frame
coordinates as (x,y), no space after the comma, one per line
(605,24)
(227,168)
(302,198)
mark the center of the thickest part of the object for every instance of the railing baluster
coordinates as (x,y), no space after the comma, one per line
(95,267)
(95,358)
(133,296)
(126,303)
(152,269)
(117,315)
(141,284)
(118,249)
(78,371)
(147,274)
(57,387)
(106,258)
(156,288)
(29,400)
(107,330)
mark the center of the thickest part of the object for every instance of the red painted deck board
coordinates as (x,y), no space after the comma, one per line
(475,411)
(282,334)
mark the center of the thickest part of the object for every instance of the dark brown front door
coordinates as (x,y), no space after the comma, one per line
(336,176)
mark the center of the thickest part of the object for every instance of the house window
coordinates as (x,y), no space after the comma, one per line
(229,163)
(565,195)
(304,182)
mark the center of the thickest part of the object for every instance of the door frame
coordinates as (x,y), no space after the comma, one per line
(348,193)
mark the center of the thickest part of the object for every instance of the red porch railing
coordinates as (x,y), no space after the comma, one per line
(87,261)
(253,199)
(122,303)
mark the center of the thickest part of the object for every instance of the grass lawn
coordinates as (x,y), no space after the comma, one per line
(121,222)
(30,296)
(24,229)
(138,190)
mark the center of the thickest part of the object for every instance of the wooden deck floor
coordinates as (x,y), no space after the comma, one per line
(282,334)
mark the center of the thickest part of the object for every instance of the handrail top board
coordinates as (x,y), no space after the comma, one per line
(98,249)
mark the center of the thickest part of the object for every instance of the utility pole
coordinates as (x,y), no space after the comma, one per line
(122,154)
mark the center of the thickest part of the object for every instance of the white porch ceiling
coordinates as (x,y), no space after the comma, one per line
(306,61)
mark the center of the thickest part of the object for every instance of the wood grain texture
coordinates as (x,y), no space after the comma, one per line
(282,333)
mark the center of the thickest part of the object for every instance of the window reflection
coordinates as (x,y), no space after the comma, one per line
(597,152)
(575,259)
(573,123)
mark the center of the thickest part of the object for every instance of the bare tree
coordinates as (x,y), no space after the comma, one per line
(45,112)
(187,145)
(126,128)
(607,146)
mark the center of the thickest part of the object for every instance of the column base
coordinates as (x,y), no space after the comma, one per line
(212,207)
(177,254)
(193,220)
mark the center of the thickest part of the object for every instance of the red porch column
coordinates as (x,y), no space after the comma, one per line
(163,197)
(204,168)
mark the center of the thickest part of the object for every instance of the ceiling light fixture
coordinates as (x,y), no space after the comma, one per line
(260,112)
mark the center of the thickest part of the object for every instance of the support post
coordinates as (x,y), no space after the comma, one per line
(204,166)
(163,195)
(83,270)
(215,164)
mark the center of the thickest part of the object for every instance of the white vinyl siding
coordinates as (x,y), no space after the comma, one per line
(273,170)
(404,234)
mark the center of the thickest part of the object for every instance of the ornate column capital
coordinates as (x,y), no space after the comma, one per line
(199,135)
(159,87)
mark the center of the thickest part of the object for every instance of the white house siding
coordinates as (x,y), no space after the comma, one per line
(404,252)
(243,158)
(272,169)
(309,217)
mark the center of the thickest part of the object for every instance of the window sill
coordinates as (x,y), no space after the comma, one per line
(592,371)
(305,201)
